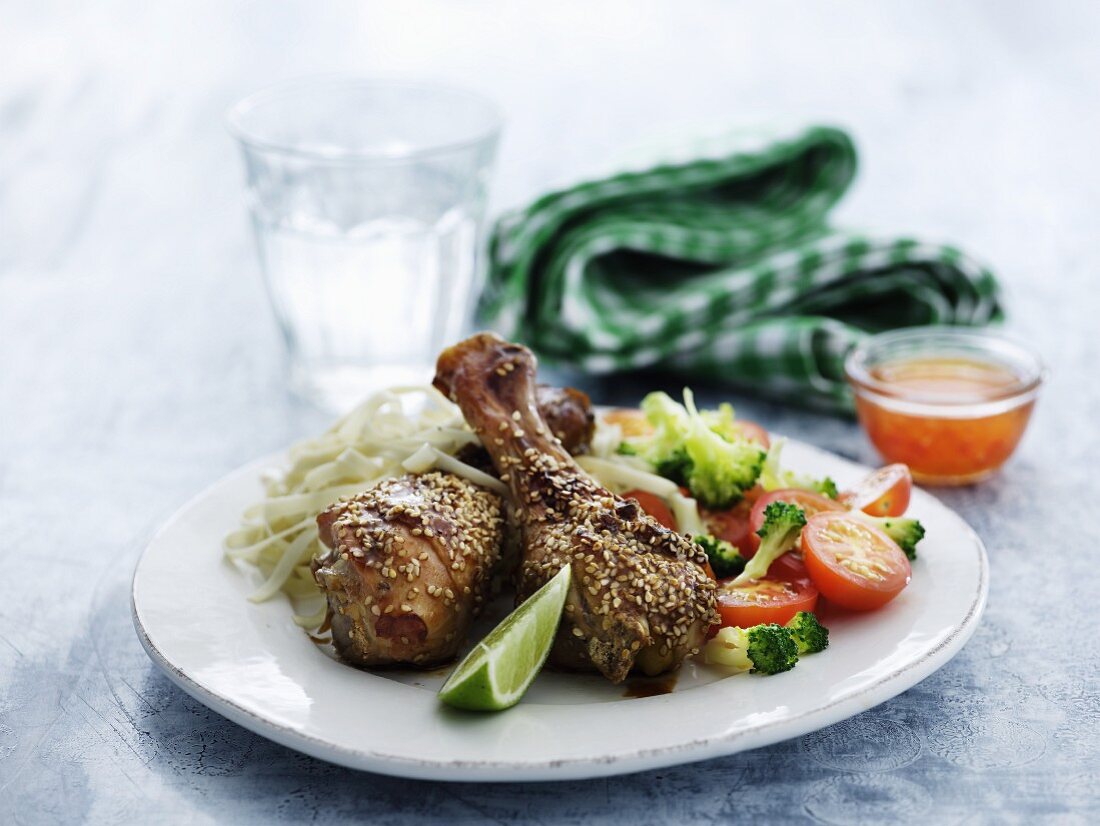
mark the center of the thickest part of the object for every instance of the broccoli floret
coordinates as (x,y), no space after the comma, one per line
(809,635)
(725,559)
(905,531)
(722,421)
(782,526)
(717,466)
(771,648)
(768,649)
(772,477)
(626,449)
(675,466)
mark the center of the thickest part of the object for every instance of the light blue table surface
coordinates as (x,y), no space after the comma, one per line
(139,363)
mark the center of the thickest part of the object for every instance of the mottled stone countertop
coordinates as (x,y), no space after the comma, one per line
(139,362)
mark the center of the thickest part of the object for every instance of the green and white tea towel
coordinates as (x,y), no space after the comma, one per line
(722,266)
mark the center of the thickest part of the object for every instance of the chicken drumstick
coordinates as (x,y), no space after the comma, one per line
(406,567)
(639,595)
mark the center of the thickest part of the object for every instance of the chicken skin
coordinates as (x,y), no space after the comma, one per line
(406,567)
(639,596)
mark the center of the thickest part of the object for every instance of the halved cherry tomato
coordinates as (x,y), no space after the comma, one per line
(790,567)
(752,494)
(809,501)
(884,493)
(764,600)
(631,421)
(732,524)
(853,564)
(655,506)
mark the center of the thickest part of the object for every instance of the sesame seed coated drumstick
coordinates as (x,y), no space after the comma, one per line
(640,596)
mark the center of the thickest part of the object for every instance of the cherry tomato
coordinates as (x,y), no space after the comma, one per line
(732,525)
(884,493)
(790,567)
(764,600)
(752,494)
(853,564)
(655,506)
(809,501)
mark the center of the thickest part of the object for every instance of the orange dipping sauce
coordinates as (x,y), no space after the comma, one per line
(952,405)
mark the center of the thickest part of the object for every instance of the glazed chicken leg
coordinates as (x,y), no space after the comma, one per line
(639,595)
(406,567)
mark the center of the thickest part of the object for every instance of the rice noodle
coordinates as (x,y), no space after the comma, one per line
(429,457)
(278,534)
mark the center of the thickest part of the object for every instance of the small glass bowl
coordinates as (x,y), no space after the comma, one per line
(951,403)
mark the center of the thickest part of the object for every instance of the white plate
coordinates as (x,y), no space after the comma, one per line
(253,665)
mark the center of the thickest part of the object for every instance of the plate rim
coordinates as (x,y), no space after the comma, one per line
(880,690)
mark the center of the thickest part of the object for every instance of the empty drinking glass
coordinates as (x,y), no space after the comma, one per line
(367,199)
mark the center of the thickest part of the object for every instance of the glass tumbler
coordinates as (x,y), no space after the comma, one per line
(367,199)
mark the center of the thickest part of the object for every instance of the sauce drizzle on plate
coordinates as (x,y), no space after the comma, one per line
(650,686)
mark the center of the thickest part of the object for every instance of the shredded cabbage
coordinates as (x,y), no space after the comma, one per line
(622,473)
(391,432)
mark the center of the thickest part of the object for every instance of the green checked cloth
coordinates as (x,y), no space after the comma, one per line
(721,265)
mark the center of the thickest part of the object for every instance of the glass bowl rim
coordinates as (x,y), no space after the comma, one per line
(235,114)
(980,341)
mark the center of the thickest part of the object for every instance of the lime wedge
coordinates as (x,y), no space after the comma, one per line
(495,675)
